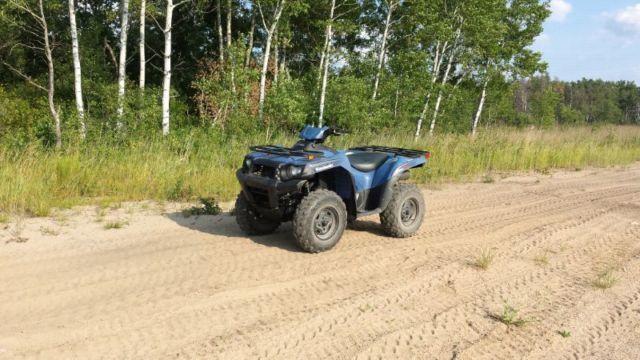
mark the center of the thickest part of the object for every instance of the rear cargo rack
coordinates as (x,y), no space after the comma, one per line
(393,150)
(281,150)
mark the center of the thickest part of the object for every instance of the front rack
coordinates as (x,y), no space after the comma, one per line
(394,150)
(284,151)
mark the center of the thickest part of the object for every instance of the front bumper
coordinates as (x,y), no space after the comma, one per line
(265,193)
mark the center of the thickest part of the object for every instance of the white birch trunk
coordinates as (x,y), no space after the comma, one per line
(51,87)
(166,79)
(124,23)
(77,68)
(325,69)
(383,48)
(220,36)
(247,57)
(229,52)
(437,62)
(267,52)
(276,59)
(483,97)
(143,60)
(439,100)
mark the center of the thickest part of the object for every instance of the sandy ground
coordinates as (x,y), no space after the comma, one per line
(166,286)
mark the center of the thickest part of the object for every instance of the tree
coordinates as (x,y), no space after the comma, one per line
(142,46)
(270,30)
(122,64)
(166,74)
(77,68)
(325,62)
(43,44)
(391,4)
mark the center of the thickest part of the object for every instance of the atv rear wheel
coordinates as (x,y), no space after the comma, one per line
(405,212)
(319,221)
(250,220)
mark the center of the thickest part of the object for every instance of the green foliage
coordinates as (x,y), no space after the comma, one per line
(209,206)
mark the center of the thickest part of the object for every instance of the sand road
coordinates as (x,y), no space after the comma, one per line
(165,286)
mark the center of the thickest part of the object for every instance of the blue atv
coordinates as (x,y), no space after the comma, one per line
(321,189)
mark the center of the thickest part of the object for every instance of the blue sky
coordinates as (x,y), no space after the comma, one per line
(593,39)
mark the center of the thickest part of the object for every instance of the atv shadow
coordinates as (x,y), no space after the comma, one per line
(225,225)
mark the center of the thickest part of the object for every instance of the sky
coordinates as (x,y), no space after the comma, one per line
(597,39)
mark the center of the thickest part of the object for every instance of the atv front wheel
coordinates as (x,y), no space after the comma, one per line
(250,221)
(319,221)
(405,212)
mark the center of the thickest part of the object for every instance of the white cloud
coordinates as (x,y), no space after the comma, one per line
(625,21)
(559,10)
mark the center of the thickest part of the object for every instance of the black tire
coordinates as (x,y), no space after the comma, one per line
(250,221)
(319,221)
(405,212)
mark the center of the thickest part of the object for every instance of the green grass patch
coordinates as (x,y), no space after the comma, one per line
(116,224)
(199,163)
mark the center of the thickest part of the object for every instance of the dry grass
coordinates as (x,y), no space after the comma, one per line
(605,280)
(484,259)
(202,164)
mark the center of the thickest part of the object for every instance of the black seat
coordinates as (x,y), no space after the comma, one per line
(367,161)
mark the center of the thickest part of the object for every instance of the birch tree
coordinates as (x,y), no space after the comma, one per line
(270,30)
(391,4)
(325,60)
(445,79)
(42,44)
(122,64)
(229,42)
(77,69)
(220,36)
(166,74)
(252,29)
(142,49)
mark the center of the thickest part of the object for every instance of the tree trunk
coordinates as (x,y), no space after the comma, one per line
(325,69)
(143,60)
(123,60)
(276,60)
(326,61)
(77,68)
(220,36)
(265,56)
(229,51)
(483,97)
(444,82)
(166,79)
(252,28)
(437,62)
(383,48)
(52,78)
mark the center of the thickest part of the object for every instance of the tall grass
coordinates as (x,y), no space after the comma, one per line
(200,163)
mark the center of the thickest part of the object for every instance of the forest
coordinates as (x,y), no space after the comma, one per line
(111,78)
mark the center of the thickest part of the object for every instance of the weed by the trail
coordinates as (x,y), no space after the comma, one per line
(509,317)
(44,230)
(564,333)
(100,214)
(208,206)
(116,224)
(484,259)
(15,233)
(542,259)
(4,218)
(488,179)
(605,280)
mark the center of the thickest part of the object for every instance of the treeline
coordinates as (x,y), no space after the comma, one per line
(77,69)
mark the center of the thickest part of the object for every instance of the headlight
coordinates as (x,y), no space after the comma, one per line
(247,164)
(291,172)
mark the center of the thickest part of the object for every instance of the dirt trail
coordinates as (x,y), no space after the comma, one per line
(165,286)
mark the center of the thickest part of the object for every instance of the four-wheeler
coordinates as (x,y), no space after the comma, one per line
(321,189)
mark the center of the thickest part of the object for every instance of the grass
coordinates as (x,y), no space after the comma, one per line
(605,280)
(115,224)
(209,206)
(196,164)
(509,317)
(484,259)
(542,259)
(564,333)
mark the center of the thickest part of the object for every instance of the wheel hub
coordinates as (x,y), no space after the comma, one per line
(409,212)
(325,223)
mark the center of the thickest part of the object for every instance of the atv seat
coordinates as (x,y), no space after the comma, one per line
(367,161)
